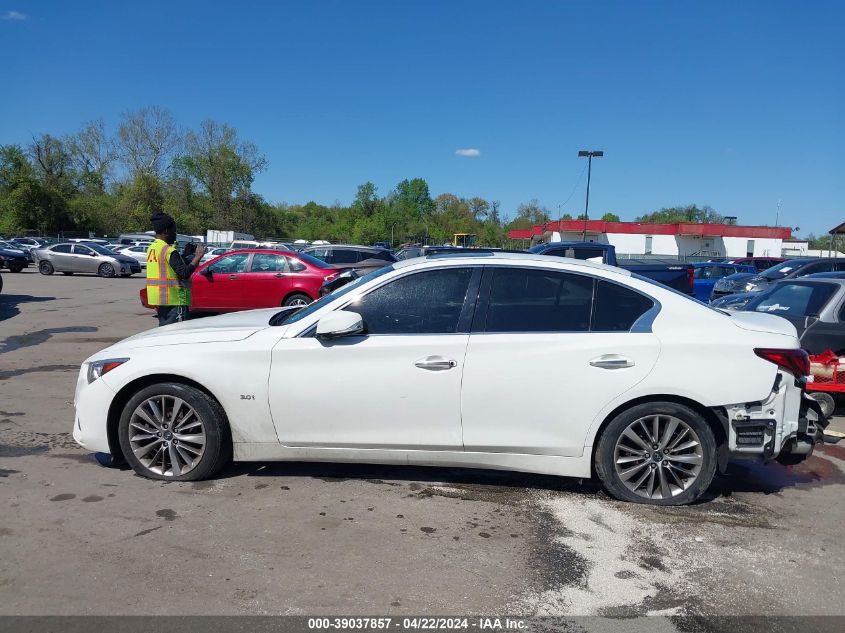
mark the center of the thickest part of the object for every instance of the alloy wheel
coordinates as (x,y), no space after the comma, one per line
(658,456)
(167,435)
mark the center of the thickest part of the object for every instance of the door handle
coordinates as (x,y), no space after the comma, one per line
(612,361)
(233,276)
(279,275)
(435,363)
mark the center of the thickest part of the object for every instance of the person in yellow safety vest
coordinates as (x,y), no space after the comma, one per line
(168,276)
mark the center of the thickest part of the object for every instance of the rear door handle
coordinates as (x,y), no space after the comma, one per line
(612,361)
(435,363)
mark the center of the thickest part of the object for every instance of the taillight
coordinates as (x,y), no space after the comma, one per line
(330,277)
(690,277)
(795,361)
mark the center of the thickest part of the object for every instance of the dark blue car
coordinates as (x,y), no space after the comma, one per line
(706,274)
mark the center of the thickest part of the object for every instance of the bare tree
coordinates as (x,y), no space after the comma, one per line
(92,152)
(147,140)
(51,158)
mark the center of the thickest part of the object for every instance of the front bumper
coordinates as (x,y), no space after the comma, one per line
(91,403)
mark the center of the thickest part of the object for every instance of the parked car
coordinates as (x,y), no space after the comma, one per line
(137,252)
(670,272)
(815,306)
(789,269)
(27,245)
(213,253)
(256,278)
(609,351)
(759,263)
(87,257)
(706,274)
(12,258)
(363,259)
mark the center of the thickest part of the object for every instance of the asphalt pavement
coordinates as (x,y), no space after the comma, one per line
(77,538)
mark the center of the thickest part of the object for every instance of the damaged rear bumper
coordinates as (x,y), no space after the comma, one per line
(786,426)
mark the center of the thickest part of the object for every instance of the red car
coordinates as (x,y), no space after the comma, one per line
(255,278)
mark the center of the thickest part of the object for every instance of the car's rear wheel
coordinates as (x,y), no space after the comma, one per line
(297,299)
(659,453)
(46,268)
(105,270)
(174,432)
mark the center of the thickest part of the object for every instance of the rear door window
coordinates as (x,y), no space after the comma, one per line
(267,263)
(344,256)
(61,248)
(536,300)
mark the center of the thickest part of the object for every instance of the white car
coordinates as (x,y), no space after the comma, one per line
(137,252)
(506,361)
(212,253)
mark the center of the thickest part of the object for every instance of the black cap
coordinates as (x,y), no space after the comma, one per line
(161,221)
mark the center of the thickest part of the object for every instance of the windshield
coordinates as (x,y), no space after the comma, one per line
(794,299)
(780,271)
(292,316)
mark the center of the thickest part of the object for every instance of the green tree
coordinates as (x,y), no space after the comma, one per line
(224,167)
(610,217)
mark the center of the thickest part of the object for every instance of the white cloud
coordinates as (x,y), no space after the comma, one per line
(15,15)
(472,152)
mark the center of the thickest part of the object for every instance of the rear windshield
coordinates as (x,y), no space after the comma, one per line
(796,299)
(314,261)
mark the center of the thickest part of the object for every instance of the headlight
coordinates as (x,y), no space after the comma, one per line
(749,287)
(101,367)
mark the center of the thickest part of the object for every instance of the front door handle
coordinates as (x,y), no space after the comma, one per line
(612,361)
(435,363)
(233,276)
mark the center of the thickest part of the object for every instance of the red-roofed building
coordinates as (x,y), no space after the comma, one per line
(682,239)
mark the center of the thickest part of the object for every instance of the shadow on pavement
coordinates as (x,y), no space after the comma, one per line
(9,304)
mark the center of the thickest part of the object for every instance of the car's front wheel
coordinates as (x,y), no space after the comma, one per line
(174,432)
(661,453)
(105,270)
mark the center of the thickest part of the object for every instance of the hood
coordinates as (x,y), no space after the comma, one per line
(125,259)
(761,322)
(235,326)
(11,252)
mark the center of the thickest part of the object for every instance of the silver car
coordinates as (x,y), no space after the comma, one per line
(84,258)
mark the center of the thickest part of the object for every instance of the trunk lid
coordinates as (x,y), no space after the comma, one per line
(762,322)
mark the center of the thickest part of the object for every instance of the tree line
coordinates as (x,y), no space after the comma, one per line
(91,181)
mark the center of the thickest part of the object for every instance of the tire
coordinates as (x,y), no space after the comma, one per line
(106,270)
(825,400)
(16,268)
(208,456)
(297,299)
(46,268)
(68,274)
(656,476)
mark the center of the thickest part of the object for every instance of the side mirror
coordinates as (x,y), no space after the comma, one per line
(339,324)
(207,273)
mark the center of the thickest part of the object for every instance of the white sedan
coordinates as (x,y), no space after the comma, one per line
(508,361)
(137,252)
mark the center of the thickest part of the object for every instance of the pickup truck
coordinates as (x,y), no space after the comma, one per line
(669,272)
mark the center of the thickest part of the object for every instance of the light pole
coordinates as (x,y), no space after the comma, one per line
(589,155)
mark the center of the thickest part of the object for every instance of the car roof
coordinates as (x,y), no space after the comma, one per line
(812,279)
(349,246)
(272,251)
(493,257)
(700,264)
(837,274)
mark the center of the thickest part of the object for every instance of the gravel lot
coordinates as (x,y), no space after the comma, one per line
(76,538)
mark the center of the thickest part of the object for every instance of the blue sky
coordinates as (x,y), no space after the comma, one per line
(732,104)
